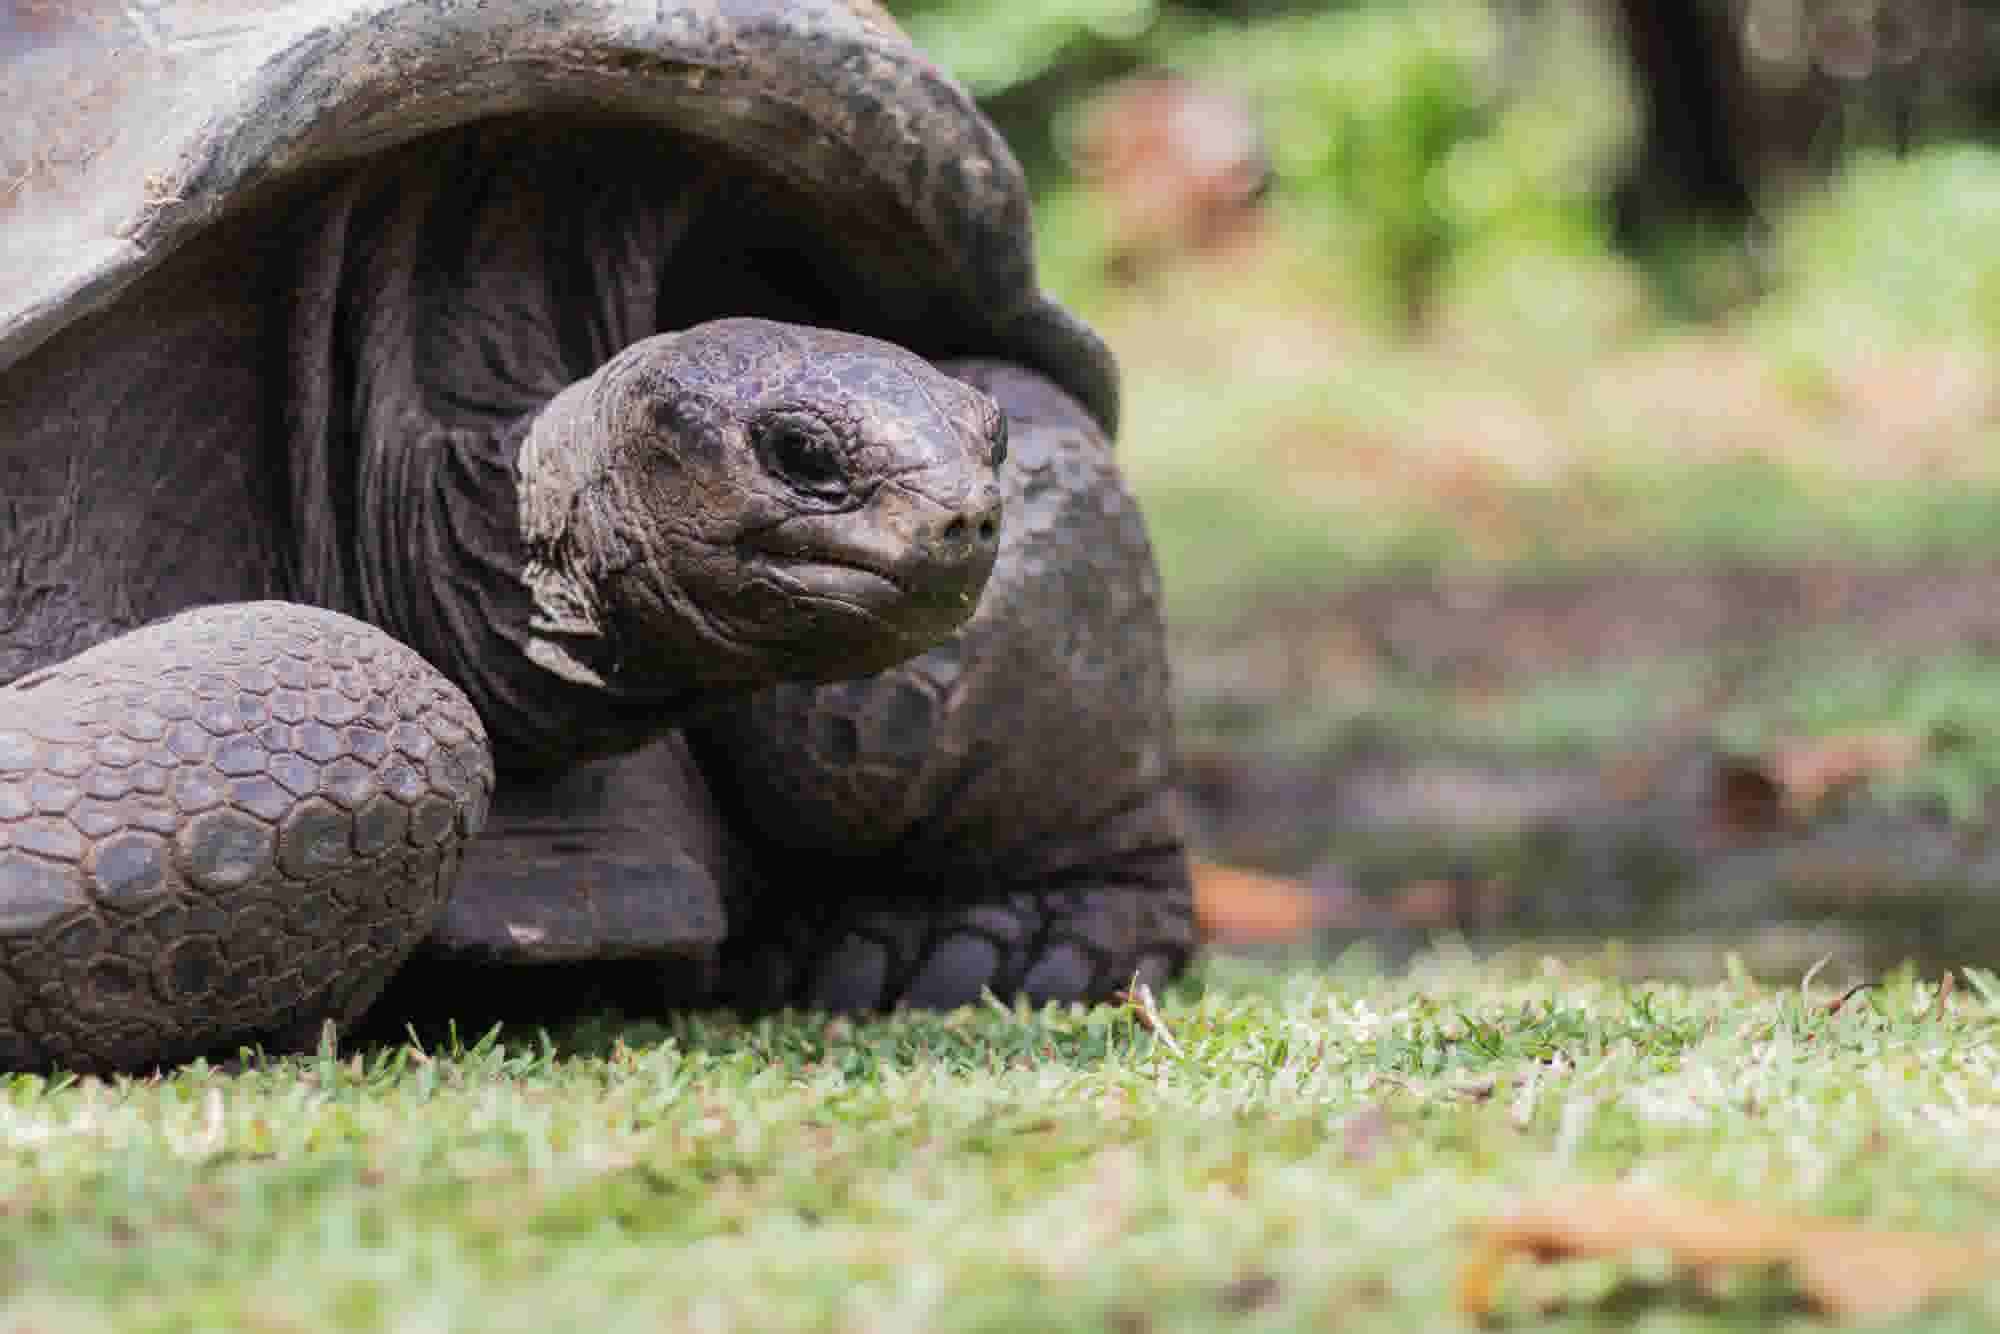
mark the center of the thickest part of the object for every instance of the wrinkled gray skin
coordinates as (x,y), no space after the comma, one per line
(748,502)
(510,610)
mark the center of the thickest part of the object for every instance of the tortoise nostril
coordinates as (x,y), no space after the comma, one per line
(988,530)
(955,530)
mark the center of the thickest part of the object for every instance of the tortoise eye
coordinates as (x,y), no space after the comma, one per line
(804,453)
(999,437)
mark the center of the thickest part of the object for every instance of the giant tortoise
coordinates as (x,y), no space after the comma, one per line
(529,482)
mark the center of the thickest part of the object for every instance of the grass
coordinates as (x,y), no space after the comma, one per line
(1306,1159)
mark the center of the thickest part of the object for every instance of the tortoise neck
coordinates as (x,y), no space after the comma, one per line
(444,561)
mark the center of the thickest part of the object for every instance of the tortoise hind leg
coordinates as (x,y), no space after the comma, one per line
(1007,798)
(226,827)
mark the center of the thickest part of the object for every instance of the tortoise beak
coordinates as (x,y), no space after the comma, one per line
(913,561)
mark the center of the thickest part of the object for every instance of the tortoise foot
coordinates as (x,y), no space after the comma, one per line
(230,825)
(1053,944)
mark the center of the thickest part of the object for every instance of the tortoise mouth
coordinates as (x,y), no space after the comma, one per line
(924,605)
(844,580)
(822,618)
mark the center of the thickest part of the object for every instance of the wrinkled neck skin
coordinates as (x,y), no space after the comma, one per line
(412,406)
(453,585)
(581,537)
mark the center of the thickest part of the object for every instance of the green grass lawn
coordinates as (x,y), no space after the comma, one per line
(1308,1154)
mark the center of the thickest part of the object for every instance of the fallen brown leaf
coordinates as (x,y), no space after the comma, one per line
(1810,769)
(1799,773)
(1755,795)
(1239,906)
(1846,1270)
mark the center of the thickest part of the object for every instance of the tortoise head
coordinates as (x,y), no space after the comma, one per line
(744,502)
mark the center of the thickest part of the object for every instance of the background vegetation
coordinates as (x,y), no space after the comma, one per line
(1567,324)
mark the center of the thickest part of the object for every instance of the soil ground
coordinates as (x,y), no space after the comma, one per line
(1664,831)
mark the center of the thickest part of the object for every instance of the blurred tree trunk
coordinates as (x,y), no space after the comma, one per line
(1746,99)
(1694,96)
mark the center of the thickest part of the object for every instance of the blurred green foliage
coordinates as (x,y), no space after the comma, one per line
(1897,250)
(1415,140)
(1700,395)
(995,48)
(1412,134)
(1403,134)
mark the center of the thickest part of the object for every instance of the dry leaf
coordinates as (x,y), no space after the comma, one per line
(1239,907)
(1810,769)
(1758,795)
(1848,1271)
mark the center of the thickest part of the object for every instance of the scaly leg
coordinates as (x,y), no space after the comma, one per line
(226,827)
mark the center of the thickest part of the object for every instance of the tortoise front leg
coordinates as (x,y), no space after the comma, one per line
(229,826)
(1007,799)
